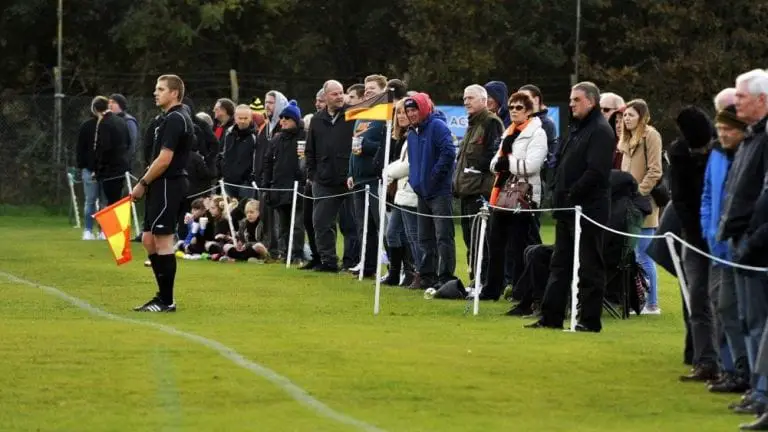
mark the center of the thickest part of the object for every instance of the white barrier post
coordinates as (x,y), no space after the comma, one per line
(365,231)
(576,263)
(137,230)
(484,213)
(382,215)
(679,270)
(72,194)
(293,222)
(229,212)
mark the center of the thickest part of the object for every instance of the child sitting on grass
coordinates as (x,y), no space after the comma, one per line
(198,231)
(221,233)
(248,246)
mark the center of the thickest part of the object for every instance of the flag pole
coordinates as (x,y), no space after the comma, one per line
(382,210)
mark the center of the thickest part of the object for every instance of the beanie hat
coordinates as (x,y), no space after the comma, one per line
(121,101)
(728,117)
(257,106)
(410,103)
(292,112)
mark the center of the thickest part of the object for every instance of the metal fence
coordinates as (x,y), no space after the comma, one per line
(30,175)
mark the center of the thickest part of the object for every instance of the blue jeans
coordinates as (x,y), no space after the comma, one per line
(91,191)
(406,224)
(437,237)
(648,265)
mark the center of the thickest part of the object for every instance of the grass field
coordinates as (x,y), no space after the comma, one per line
(419,366)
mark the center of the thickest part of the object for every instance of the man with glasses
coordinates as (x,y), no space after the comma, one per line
(610,103)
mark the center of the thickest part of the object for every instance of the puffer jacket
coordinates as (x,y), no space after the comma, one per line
(528,153)
(398,171)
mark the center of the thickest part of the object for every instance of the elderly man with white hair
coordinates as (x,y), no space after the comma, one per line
(610,103)
(739,222)
(473,179)
(725,98)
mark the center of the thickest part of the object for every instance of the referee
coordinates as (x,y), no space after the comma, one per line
(165,185)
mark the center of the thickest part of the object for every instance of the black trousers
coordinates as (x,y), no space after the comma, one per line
(309,206)
(508,232)
(471,205)
(591,275)
(297,237)
(113,189)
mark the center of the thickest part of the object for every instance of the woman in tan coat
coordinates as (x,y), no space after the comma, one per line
(640,145)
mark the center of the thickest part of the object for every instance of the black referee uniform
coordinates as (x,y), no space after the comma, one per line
(164,197)
(166,194)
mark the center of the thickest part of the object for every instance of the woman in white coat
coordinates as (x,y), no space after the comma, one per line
(520,157)
(402,231)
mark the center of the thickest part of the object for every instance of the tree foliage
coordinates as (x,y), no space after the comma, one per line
(670,52)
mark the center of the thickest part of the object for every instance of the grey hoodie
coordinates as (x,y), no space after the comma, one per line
(280,103)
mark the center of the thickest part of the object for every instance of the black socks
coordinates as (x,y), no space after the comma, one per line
(164,267)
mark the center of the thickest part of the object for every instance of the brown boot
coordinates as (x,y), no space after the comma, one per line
(416,285)
(702,373)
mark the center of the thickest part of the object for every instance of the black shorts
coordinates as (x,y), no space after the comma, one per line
(163,204)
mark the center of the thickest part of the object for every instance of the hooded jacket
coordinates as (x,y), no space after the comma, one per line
(329,145)
(712,199)
(265,135)
(431,152)
(686,171)
(584,167)
(280,103)
(281,166)
(744,180)
(497,90)
(237,155)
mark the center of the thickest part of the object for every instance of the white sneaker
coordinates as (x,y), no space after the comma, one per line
(653,310)
(355,269)
(101,236)
(87,235)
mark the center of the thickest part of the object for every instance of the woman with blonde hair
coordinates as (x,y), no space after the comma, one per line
(402,231)
(640,145)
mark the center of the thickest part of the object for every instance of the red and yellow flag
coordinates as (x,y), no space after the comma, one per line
(376,108)
(115,222)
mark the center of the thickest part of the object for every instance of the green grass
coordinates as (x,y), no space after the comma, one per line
(419,366)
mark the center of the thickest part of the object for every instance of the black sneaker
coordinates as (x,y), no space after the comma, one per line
(520,310)
(156,305)
(326,268)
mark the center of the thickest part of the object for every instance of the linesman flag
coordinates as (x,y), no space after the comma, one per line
(379,107)
(115,222)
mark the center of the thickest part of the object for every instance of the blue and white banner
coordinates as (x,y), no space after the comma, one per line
(458,122)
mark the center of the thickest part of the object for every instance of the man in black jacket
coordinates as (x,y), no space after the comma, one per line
(112,151)
(329,145)
(86,163)
(739,224)
(688,157)
(237,154)
(582,179)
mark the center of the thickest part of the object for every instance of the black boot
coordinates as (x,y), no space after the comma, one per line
(408,268)
(761,424)
(395,265)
